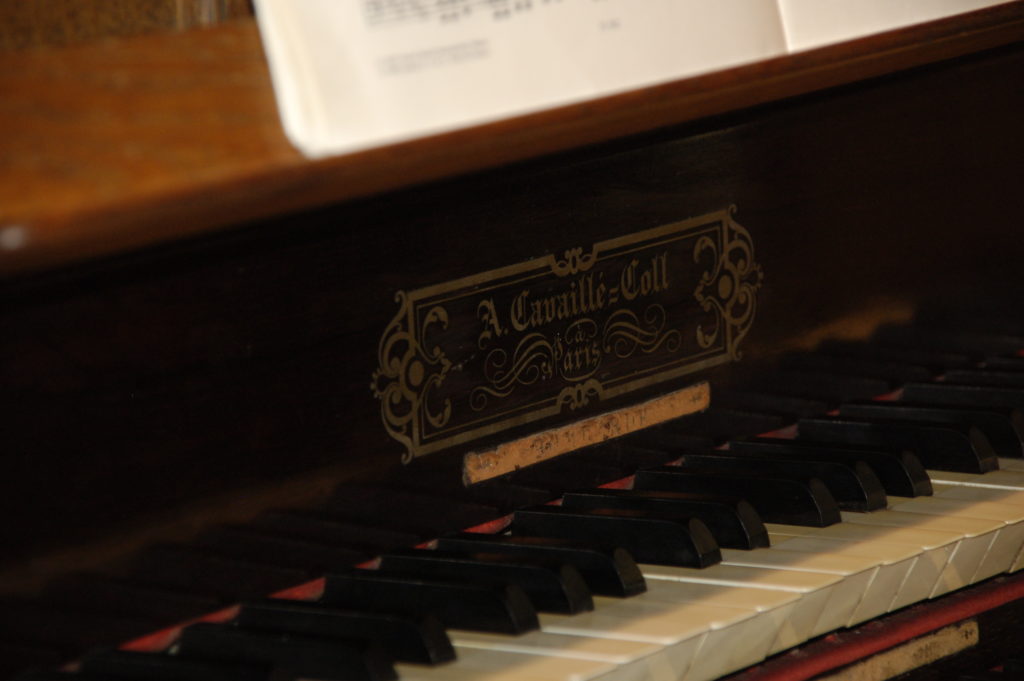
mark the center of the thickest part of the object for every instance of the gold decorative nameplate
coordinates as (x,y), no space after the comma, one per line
(472,358)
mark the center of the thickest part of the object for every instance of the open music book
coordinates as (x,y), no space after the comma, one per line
(353,74)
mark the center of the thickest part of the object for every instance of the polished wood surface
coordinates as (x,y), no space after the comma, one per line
(125,144)
(41,23)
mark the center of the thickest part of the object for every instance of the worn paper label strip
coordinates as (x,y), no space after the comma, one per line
(526,451)
(911,655)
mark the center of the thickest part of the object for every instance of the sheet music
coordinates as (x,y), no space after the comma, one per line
(352,74)
(813,23)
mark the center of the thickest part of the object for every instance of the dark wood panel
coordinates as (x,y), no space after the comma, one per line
(142,382)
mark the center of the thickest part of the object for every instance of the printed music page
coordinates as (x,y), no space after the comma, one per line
(351,74)
(814,23)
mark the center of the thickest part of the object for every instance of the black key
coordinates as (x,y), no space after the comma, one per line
(986,676)
(789,408)
(899,471)
(936,362)
(854,486)
(20,657)
(308,657)
(998,428)
(1015,363)
(505,609)
(69,630)
(407,639)
(563,473)
(998,379)
(962,400)
(944,340)
(829,388)
(625,456)
(551,588)
(946,447)
(124,597)
(507,496)
(733,522)
(970,312)
(894,373)
(123,664)
(324,529)
(662,541)
(423,514)
(722,424)
(667,440)
(57,675)
(273,549)
(609,572)
(424,476)
(777,500)
(204,572)
(976,396)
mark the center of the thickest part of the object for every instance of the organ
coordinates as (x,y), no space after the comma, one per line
(196,322)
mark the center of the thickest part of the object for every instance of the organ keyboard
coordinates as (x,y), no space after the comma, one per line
(679,616)
(847,487)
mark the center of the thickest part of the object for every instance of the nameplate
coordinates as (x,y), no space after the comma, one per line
(553,336)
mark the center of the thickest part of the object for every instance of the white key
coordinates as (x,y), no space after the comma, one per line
(1018,562)
(815,588)
(976,534)
(999,479)
(793,625)
(1007,464)
(635,659)
(1005,546)
(870,597)
(1001,496)
(715,628)
(976,493)
(936,549)
(896,563)
(1008,483)
(717,654)
(494,665)
(678,640)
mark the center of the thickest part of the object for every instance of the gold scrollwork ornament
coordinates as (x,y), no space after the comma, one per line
(624,332)
(578,395)
(575,261)
(407,373)
(729,288)
(532,361)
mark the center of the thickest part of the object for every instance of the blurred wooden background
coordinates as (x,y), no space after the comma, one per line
(27,24)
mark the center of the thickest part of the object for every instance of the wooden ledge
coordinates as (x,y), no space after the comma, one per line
(128,143)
